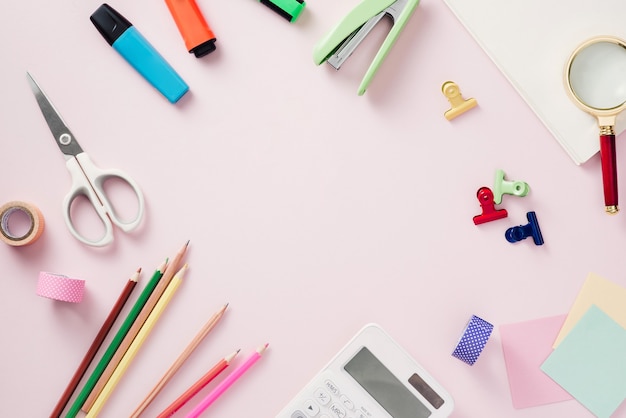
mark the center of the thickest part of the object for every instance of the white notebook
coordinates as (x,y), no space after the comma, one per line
(530,41)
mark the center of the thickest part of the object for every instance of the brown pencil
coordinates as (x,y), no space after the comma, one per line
(208,326)
(95,345)
(171,269)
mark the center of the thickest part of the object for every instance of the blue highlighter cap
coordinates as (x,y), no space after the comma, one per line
(138,52)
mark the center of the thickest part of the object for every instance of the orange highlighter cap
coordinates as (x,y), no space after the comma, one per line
(198,36)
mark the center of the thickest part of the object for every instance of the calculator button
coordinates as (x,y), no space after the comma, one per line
(311,408)
(331,387)
(347,402)
(298,414)
(321,396)
(337,411)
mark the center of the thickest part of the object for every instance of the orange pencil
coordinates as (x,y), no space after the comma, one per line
(208,326)
(198,386)
(171,269)
(139,340)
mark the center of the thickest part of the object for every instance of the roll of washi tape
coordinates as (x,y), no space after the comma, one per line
(59,287)
(35,229)
(473,340)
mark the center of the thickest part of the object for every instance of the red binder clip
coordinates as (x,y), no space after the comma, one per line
(490,213)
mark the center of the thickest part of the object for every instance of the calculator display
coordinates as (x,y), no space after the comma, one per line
(384,387)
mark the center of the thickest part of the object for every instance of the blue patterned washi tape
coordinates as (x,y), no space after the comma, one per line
(473,340)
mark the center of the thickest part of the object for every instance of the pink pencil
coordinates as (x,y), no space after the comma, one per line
(226,383)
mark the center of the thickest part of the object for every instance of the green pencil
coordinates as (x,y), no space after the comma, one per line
(115,343)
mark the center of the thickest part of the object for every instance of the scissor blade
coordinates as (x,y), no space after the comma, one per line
(62,134)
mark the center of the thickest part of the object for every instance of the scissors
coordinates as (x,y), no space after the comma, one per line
(87,179)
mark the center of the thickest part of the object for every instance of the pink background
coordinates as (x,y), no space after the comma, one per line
(312,211)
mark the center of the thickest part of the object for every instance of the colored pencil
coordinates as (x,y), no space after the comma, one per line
(226,383)
(198,386)
(115,343)
(173,267)
(208,326)
(132,351)
(95,345)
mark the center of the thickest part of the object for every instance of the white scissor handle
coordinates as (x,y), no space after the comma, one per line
(88,180)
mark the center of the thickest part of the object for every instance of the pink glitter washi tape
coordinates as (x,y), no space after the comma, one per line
(59,287)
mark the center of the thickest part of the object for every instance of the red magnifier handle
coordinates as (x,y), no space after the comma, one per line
(609,172)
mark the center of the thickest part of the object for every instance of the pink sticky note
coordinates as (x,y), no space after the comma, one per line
(526,345)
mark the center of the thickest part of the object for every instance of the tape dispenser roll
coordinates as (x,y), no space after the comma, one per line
(35,228)
(473,340)
(59,287)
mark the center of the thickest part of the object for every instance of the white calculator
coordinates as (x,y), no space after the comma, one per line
(371,377)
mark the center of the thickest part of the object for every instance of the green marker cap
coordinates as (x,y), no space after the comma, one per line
(289,9)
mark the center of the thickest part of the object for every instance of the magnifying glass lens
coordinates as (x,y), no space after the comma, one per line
(597,75)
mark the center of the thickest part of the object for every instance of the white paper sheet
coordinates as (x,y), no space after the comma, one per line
(530,41)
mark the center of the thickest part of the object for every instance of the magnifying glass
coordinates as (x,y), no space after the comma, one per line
(595,79)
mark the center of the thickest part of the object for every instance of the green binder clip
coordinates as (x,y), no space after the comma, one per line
(502,186)
(343,40)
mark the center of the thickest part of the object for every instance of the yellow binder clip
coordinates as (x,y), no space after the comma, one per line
(459,104)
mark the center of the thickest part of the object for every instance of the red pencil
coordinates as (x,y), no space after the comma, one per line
(95,345)
(197,387)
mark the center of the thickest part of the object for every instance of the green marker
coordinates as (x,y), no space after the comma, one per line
(289,9)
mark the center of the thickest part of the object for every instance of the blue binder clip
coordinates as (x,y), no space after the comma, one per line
(518,233)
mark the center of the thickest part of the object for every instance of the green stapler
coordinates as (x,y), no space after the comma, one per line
(344,38)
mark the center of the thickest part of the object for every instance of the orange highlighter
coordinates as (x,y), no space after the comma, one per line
(198,36)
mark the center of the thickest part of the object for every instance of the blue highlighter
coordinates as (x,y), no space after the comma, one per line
(139,53)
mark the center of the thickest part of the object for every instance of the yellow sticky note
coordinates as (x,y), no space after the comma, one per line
(596,290)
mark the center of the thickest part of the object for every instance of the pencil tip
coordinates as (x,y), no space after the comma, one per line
(187,243)
(139,270)
(232,355)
